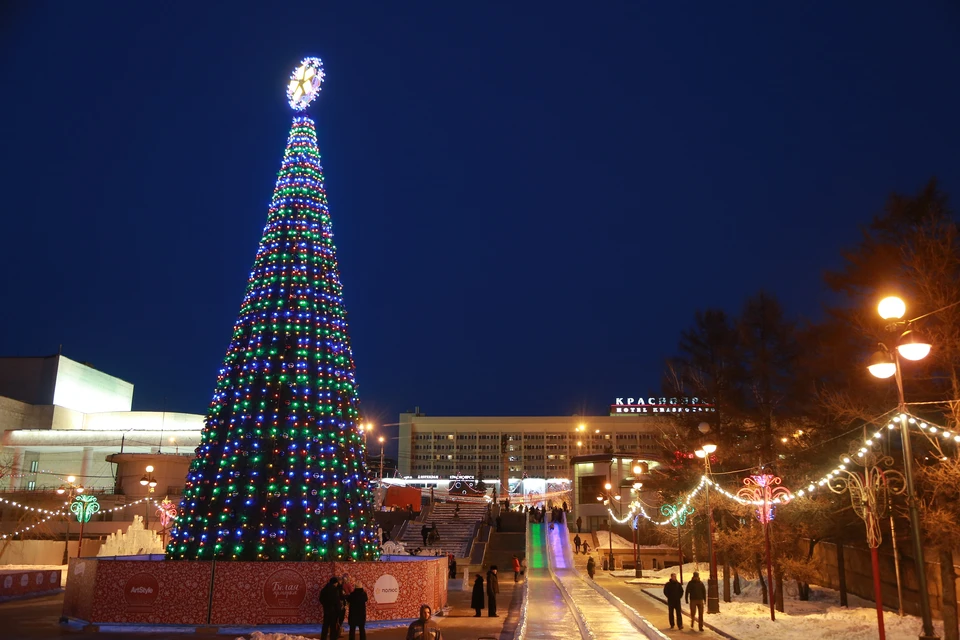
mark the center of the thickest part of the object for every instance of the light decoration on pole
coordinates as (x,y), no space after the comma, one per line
(870,492)
(763,491)
(167,513)
(83,507)
(280,473)
(677,516)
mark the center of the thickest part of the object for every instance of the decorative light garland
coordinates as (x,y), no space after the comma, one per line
(54,514)
(920,425)
(636,508)
(29,508)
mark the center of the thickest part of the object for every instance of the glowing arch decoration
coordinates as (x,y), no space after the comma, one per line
(84,506)
(304,85)
(763,491)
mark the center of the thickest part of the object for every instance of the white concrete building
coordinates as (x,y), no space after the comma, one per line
(59,417)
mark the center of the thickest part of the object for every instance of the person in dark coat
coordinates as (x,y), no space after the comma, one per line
(357,618)
(579,523)
(591,567)
(424,532)
(673,591)
(423,628)
(330,601)
(476,601)
(499,524)
(577,542)
(696,595)
(493,588)
(452,566)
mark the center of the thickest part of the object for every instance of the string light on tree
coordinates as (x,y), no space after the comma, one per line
(280,472)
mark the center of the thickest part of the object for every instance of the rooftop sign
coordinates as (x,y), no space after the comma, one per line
(625,405)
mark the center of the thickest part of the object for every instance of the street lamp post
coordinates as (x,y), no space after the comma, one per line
(70,489)
(381,440)
(609,498)
(637,486)
(884,364)
(148,481)
(713,589)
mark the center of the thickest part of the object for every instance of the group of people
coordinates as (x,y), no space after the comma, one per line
(695,595)
(334,598)
(430,535)
(493,588)
(579,544)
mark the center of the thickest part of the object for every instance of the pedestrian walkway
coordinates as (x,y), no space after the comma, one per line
(655,612)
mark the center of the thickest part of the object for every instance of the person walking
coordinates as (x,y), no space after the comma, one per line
(516,568)
(673,591)
(452,566)
(424,532)
(577,542)
(591,567)
(476,600)
(493,588)
(579,523)
(586,548)
(330,601)
(423,628)
(499,524)
(357,618)
(696,595)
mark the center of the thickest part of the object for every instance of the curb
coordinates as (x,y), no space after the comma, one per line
(719,632)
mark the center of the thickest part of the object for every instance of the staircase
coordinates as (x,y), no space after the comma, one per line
(456,534)
(502,548)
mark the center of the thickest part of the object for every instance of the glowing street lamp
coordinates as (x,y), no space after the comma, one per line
(70,489)
(609,499)
(713,588)
(884,364)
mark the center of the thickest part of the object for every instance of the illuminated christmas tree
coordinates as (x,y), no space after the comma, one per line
(279,473)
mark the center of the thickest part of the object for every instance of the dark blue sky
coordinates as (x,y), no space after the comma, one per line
(529,202)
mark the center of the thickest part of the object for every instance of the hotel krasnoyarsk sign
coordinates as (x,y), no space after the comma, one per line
(661,405)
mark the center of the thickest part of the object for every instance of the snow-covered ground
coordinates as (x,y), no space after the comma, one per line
(603,541)
(820,617)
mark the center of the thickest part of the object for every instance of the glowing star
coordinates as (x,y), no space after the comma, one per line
(304,85)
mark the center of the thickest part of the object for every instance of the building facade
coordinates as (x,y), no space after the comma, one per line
(514,448)
(61,418)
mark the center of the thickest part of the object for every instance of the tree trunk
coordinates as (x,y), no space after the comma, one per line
(841,576)
(763,583)
(726,578)
(948,586)
(778,589)
(736,581)
(803,588)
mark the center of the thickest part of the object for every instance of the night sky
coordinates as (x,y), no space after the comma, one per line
(529,202)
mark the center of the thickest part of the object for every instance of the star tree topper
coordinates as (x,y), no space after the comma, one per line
(304,84)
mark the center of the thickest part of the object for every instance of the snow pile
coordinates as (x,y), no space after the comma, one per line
(821,617)
(603,541)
